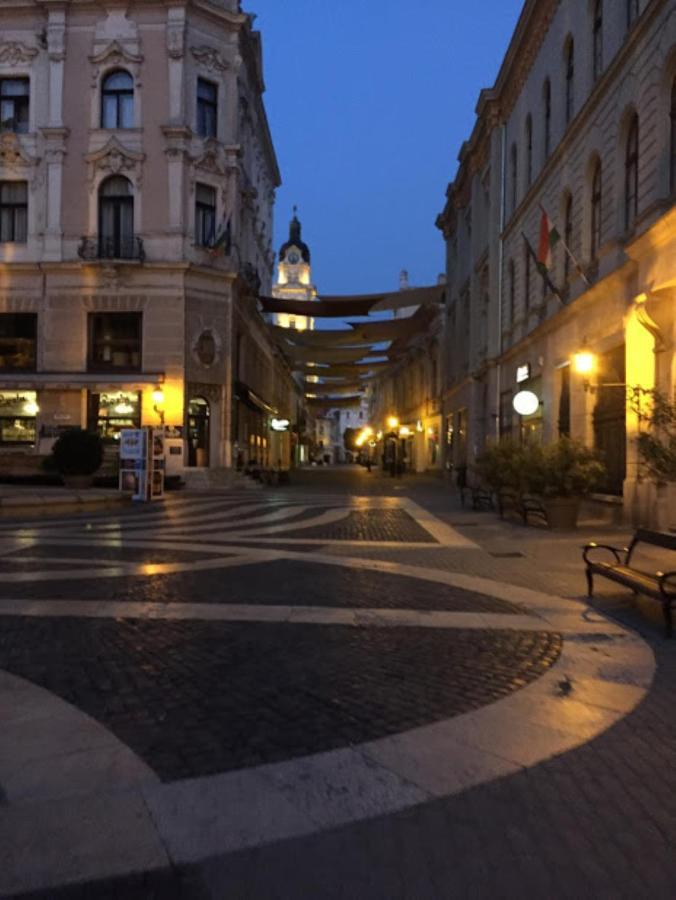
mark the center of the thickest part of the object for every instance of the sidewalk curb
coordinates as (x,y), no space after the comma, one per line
(44,505)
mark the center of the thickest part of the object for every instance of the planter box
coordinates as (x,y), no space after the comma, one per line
(562,512)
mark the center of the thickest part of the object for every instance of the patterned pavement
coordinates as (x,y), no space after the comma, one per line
(232,640)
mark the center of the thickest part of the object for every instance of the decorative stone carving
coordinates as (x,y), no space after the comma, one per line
(206,348)
(114,159)
(56,42)
(12,154)
(210,161)
(113,55)
(209,58)
(176,40)
(13,53)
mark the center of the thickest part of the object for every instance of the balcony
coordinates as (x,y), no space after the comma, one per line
(112,248)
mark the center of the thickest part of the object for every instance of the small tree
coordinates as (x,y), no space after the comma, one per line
(78,452)
(657,446)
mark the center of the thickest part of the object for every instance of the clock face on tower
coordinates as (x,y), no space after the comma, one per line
(294,258)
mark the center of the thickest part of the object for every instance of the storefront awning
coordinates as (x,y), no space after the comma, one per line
(344,306)
(245,395)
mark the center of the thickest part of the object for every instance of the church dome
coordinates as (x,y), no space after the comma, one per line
(294,241)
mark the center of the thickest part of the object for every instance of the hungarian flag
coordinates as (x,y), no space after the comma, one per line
(549,237)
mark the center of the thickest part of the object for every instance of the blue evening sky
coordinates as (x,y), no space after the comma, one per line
(369,102)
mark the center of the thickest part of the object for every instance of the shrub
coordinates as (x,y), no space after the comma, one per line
(565,468)
(78,452)
(657,447)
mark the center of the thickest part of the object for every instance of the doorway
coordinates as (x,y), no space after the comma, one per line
(198,433)
(610,424)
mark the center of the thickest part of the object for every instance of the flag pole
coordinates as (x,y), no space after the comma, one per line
(578,267)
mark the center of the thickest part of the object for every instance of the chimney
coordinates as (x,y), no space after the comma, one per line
(403,280)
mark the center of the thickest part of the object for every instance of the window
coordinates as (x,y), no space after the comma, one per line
(18,342)
(18,412)
(116,219)
(547,110)
(205,215)
(526,279)
(511,287)
(595,237)
(567,234)
(570,80)
(514,174)
(632,12)
(14,104)
(117,100)
(109,413)
(13,212)
(115,341)
(207,108)
(529,149)
(598,39)
(672,174)
(631,174)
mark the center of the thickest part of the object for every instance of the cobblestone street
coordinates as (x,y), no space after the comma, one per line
(347,687)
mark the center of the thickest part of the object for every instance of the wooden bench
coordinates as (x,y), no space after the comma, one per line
(660,585)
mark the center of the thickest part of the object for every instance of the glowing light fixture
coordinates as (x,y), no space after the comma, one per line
(526,403)
(404,431)
(31,408)
(392,422)
(158,401)
(584,362)
(123,409)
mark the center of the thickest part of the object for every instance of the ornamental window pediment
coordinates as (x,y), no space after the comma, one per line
(210,161)
(14,53)
(210,59)
(115,56)
(114,159)
(12,155)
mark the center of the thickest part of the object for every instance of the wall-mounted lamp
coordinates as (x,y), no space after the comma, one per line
(158,401)
(392,423)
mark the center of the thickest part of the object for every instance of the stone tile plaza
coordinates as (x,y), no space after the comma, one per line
(334,595)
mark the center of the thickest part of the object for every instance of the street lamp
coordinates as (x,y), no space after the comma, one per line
(392,423)
(158,401)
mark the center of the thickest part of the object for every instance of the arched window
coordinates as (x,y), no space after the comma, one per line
(117,100)
(526,279)
(116,219)
(514,175)
(547,112)
(595,220)
(631,174)
(529,150)
(511,288)
(598,38)
(672,183)
(567,234)
(570,80)
(632,12)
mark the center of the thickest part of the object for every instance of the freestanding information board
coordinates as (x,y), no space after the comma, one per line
(142,462)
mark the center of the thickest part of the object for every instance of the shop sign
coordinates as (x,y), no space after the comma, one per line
(280,424)
(523,373)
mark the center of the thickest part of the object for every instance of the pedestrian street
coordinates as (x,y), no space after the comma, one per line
(248,670)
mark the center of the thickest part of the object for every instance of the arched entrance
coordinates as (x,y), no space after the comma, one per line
(198,432)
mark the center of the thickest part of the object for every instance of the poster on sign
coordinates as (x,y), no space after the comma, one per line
(134,463)
(156,463)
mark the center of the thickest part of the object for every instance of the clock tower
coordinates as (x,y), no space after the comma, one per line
(294,278)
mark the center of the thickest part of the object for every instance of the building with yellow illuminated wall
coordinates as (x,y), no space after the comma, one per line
(580,123)
(294,278)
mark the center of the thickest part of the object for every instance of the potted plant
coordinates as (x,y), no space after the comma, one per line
(562,473)
(76,456)
(657,452)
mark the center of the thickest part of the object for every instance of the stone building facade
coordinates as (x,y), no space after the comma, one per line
(581,123)
(137,182)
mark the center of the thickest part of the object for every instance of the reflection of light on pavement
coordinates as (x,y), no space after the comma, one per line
(151,569)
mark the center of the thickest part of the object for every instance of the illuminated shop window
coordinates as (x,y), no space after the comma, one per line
(109,413)
(18,412)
